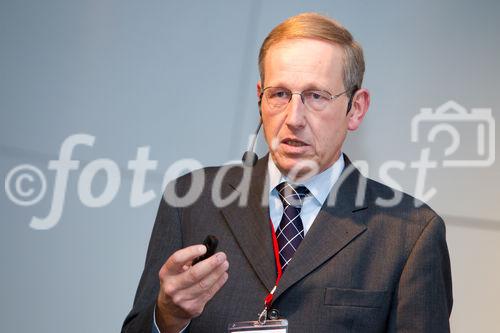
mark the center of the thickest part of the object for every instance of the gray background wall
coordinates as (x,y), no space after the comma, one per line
(180,78)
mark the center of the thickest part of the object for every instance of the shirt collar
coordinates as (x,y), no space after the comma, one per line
(319,185)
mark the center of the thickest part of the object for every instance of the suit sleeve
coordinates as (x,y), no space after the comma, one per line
(165,239)
(423,299)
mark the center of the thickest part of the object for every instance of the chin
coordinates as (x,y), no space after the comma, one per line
(297,167)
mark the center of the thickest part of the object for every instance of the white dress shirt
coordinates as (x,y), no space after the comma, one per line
(319,186)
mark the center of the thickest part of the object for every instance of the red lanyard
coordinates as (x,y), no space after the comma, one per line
(269,298)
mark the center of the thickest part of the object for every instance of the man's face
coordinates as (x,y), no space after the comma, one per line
(296,133)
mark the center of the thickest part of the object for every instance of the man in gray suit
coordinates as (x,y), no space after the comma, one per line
(371,259)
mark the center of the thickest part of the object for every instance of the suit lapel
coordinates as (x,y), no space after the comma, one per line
(250,224)
(333,229)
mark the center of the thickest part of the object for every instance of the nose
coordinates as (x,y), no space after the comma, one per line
(295,112)
(301,97)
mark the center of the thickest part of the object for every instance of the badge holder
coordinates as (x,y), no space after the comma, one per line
(269,326)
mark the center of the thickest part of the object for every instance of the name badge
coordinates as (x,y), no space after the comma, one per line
(269,326)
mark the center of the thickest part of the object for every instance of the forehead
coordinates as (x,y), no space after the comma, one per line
(302,62)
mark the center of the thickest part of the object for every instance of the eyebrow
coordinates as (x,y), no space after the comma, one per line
(309,86)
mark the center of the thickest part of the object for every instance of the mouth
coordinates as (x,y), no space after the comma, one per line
(293,146)
(294,142)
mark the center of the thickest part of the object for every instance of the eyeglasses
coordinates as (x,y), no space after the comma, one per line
(316,100)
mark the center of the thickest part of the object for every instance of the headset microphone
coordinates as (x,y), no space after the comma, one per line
(250,157)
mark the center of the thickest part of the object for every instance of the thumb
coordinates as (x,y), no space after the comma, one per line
(176,262)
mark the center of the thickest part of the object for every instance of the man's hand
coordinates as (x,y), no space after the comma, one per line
(185,289)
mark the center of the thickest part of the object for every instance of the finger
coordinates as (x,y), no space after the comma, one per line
(200,296)
(174,264)
(195,306)
(209,280)
(200,271)
(219,283)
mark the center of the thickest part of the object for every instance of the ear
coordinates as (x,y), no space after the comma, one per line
(259,90)
(359,108)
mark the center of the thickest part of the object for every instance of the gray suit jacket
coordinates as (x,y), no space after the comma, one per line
(361,267)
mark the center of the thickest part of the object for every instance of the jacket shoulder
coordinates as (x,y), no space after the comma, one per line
(391,201)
